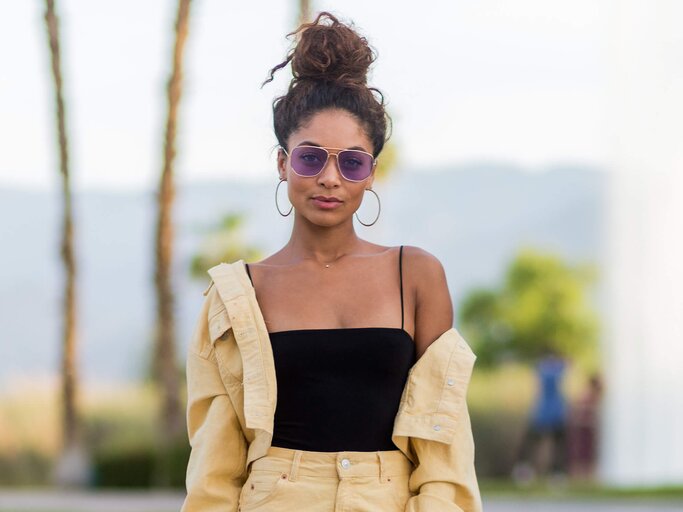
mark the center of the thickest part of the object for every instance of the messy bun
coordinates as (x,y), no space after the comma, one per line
(332,54)
(329,65)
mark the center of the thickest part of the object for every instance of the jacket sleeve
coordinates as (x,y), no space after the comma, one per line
(216,469)
(444,477)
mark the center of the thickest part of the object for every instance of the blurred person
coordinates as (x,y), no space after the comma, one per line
(303,391)
(548,422)
(584,419)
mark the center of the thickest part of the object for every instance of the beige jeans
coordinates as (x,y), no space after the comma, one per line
(287,480)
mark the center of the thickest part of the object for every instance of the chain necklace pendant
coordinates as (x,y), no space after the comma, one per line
(327,266)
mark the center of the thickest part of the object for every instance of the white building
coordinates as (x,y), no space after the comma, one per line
(642,435)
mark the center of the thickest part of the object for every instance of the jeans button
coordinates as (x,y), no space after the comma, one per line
(345,463)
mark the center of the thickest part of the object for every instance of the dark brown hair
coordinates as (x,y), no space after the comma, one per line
(329,66)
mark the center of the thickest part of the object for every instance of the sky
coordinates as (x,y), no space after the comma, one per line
(520,82)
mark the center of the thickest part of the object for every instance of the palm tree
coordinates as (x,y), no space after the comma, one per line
(71,468)
(304,11)
(166,370)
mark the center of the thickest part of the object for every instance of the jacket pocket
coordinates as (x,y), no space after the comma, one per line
(219,321)
(223,343)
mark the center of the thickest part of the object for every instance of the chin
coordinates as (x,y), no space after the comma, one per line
(325,219)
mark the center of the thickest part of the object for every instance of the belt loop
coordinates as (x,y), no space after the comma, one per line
(382,468)
(294,471)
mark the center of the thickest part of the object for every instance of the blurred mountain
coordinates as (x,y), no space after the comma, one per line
(472,218)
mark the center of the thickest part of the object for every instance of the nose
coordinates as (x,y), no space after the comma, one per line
(330,174)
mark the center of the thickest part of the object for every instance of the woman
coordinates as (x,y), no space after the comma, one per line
(328,376)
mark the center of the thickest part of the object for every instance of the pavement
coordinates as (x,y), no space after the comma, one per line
(621,505)
(155,501)
(26,500)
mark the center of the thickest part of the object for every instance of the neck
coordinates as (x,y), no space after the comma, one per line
(321,244)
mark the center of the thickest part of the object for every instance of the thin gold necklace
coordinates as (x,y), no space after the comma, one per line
(327,265)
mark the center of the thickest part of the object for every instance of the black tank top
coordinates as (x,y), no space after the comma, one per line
(339,389)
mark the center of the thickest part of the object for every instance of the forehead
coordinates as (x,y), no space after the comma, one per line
(332,128)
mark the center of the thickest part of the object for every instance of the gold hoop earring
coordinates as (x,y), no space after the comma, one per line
(379,209)
(277,205)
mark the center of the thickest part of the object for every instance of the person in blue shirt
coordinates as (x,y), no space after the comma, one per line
(548,420)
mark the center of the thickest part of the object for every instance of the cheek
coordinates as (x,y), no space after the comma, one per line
(296,185)
(361,195)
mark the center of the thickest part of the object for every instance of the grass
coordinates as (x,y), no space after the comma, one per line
(115,418)
(576,491)
(30,415)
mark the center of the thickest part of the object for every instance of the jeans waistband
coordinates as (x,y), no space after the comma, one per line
(382,464)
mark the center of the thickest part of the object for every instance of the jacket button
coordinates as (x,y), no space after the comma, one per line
(450,382)
(437,427)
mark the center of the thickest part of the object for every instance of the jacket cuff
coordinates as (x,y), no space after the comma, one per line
(443,497)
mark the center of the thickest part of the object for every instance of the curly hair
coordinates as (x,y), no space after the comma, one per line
(329,65)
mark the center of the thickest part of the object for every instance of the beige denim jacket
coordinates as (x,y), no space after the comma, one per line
(232,395)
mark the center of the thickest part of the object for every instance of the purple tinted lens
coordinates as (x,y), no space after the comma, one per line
(354,165)
(308,160)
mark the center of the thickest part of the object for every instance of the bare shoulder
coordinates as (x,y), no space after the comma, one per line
(271,260)
(423,264)
(433,305)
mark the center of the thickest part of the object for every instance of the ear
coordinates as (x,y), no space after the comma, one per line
(282,164)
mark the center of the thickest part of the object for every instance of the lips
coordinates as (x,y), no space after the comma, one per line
(327,199)
(326,203)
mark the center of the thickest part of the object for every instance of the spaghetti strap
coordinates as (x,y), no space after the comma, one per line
(246,265)
(400,276)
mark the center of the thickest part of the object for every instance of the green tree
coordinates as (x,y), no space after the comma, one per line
(224,243)
(542,305)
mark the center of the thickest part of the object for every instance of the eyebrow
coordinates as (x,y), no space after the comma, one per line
(311,143)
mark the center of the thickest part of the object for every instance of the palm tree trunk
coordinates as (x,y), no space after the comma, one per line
(165,365)
(69,374)
(72,467)
(304,11)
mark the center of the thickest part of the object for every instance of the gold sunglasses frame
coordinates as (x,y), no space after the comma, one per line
(336,157)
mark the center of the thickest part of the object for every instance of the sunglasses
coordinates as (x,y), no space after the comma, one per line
(308,161)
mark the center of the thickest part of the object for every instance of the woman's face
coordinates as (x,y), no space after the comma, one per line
(331,128)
